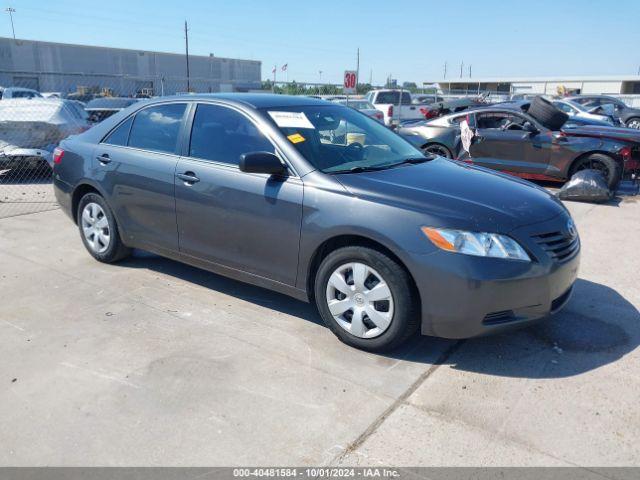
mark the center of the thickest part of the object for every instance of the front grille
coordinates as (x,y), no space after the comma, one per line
(559,245)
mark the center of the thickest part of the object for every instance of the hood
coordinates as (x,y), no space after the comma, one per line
(626,134)
(457,195)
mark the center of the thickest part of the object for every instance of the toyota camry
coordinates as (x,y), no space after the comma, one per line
(320,202)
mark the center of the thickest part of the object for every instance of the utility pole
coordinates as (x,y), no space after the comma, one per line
(186,45)
(371,77)
(320,73)
(11,11)
(469,71)
(357,68)
(461,68)
(445,70)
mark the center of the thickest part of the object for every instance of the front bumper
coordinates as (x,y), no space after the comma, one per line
(464,296)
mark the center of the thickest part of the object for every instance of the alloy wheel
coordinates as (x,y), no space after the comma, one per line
(635,123)
(437,150)
(360,300)
(95,227)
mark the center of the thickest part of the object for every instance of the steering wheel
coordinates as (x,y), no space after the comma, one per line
(511,126)
(355,150)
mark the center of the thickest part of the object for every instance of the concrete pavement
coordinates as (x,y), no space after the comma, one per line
(150,362)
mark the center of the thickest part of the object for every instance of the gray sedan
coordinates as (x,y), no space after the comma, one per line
(317,201)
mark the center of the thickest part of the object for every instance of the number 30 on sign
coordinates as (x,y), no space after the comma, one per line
(350,79)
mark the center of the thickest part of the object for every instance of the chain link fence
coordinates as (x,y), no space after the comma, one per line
(34,121)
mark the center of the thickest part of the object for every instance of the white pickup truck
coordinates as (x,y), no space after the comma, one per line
(395,105)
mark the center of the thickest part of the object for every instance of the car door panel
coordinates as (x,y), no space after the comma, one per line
(518,151)
(249,222)
(141,188)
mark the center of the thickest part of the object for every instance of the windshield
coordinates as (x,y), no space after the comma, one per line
(337,139)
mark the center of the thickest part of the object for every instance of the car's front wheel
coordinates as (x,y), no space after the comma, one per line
(366,298)
(99,230)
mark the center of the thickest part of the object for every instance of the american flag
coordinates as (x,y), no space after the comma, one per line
(284,67)
(274,69)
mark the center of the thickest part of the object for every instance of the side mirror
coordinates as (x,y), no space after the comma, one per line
(262,162)
(530,127)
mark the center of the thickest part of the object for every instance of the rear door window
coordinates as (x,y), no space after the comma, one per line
(222,134)
(157,128)
(120,136)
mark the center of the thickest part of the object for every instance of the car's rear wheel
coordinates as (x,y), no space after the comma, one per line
(610,169)
(634,123)
(437,149)
(99,230)
(366,298)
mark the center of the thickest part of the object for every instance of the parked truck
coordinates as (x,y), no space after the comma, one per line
(395,105)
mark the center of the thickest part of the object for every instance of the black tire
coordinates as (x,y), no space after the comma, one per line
(437,149)
(633,122)
(547,114)
(116,250)
(610,168)
(406,316)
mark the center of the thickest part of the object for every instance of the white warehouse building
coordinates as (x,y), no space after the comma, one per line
(608,85)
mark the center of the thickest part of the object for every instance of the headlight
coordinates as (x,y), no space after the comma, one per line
(479,244)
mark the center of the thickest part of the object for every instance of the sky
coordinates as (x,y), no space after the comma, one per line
(408,40)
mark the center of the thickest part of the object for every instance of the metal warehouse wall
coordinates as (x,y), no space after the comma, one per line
(61,67)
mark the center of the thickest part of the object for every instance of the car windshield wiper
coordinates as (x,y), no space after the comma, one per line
(376,168)
(362,169)
(414,160)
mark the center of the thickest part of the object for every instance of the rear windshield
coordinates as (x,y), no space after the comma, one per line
(337,139)
(393,97)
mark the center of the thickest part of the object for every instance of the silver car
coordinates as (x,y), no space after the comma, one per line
(574,109)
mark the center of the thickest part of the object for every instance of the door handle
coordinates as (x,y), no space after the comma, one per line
(188,177)
(104,158)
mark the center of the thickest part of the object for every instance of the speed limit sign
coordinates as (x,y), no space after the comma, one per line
(350,79)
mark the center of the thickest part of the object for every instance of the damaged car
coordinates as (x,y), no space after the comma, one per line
(100,108)
(512,141)
(30,129)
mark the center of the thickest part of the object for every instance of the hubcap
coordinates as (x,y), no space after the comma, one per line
(95,227)
(360,300)
(634,124)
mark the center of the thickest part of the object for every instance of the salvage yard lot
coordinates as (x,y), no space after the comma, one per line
(151,362)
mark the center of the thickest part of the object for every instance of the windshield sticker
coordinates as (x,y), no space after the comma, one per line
(291,120)
(296,138)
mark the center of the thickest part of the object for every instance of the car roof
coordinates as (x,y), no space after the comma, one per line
(255,100)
